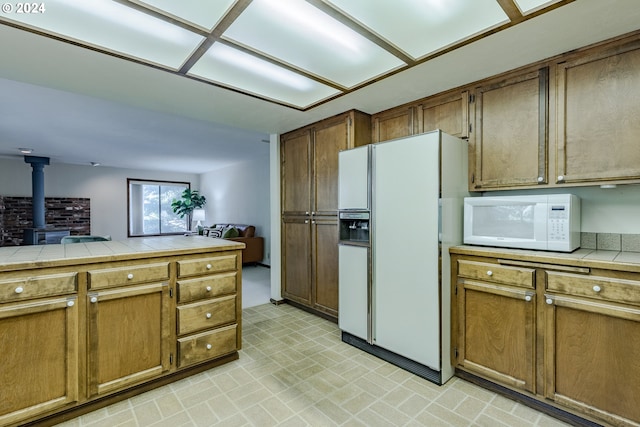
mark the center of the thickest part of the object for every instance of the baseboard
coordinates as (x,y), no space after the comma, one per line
(539,405)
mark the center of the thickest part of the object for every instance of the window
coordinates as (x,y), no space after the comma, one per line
(150,212)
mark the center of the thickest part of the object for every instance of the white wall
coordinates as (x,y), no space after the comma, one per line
(239,194)
(276,266)
(611,210)
(106,187)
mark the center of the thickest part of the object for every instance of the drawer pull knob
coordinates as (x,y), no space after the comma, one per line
(549,301)
(208,266)
(208,315)
(130,276)
(19,290)
(560,178)
(489,273)
(597,288)
(527,298)
(94,299)
(540,179)
(208,288)
(70,303)
(209,346)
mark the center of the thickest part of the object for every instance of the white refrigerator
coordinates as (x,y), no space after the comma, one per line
(395,290)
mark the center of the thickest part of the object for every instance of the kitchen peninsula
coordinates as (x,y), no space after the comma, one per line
(92,323)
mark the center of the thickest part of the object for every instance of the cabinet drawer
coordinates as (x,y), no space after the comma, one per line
(129,275)
(207,345)
(194,267)
(21,288)
(516,276)
(206,287)
(206,314)
(603,288)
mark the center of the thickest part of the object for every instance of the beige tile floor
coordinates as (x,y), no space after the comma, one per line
(295,371)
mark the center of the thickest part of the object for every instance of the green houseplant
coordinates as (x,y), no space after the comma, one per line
(188,201)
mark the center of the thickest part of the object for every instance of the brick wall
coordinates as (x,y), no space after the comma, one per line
(60,212)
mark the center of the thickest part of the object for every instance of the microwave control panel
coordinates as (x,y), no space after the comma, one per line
(558,222)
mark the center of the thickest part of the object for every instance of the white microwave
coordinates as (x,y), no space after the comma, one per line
(544,222)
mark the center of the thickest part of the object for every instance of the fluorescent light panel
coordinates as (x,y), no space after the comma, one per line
(117,28)
(231,67)
(422,27)
(529,6)
(203,14)
(301,35)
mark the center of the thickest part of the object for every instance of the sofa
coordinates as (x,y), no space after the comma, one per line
(254,250)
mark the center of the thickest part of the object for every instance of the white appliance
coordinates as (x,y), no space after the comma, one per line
(397,200)
(545,222)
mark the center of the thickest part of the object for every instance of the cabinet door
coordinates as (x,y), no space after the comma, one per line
(296,259)
(39,369)
(592,357)
(330,137)
(325,264)
(598,113)
(449,113)
(511,132)
(392,124)
(496,333)
(296,174)
(128,335)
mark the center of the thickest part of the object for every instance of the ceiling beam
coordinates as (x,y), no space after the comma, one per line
(511,9)
(215,34)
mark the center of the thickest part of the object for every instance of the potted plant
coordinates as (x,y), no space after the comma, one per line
(189,200)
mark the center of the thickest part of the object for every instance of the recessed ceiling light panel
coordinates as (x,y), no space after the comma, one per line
(529,6)
(298,33)
(421,27)
(114,27)
(234,68)
(205,14)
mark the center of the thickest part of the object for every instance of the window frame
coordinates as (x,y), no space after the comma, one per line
(131,181)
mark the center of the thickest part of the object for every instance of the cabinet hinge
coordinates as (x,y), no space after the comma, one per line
(470,128)
(473,178)
(472,98)
(456,290)
(455,352)
(171,358)
(170,292)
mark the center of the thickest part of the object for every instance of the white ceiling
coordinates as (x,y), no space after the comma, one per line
(78,105)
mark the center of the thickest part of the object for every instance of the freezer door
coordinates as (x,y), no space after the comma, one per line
(353,283)
(406,317)
(354,179)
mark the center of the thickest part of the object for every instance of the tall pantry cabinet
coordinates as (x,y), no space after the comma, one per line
(309,180)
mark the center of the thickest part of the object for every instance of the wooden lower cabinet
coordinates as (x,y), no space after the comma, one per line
(83,332)
(208,309)
(570,341)
(39,369)
(498,333)
(311,262)
(128,335)
(296,256)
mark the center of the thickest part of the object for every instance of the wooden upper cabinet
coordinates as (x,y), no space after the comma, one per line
(395,123)
(511,132)
(598,116)
(330,137)
(296,174)
(449,113)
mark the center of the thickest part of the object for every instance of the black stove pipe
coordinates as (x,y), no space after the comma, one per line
(37,187)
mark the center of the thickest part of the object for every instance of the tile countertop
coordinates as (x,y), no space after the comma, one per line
(24,257)
(594,258)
